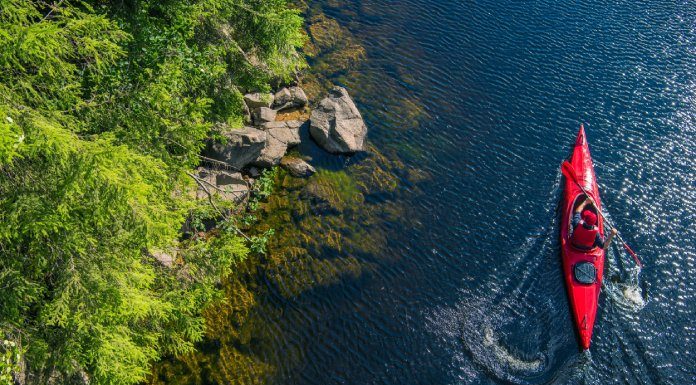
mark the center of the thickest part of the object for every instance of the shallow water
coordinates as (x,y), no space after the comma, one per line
(484,99)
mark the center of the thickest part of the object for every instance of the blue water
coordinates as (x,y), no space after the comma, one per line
(475,295)
(468,289)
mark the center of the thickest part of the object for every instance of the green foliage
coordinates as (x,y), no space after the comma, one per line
(103,107)
(10,356)
(259,242)
(263,188)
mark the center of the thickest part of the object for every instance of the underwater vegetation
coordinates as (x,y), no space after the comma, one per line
(328,229)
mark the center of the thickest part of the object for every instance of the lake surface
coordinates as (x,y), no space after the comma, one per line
(467,288)
(472,293)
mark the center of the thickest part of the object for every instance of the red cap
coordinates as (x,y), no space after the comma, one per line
(589,217)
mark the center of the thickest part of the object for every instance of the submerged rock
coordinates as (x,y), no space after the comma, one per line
(297,167)
(240,148)
(336,124)
(258,99)
(292,97)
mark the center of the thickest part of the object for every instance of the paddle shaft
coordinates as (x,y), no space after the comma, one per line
(567,167)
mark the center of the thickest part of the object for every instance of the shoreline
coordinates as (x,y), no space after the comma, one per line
(325,211)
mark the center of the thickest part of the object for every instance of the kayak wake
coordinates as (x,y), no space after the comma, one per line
(477,329)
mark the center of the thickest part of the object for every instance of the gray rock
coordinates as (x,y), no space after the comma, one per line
(288,131)
(292,97)
(247,114)
(297,167)
(280,136)
(241,147)
(336,124)
(254,172)
(165,258)
(226,185)
(264,115)
(258,99)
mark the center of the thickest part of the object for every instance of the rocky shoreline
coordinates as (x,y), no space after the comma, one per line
(273,127)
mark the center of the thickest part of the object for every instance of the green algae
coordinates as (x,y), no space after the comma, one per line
(328,230)
(325,231)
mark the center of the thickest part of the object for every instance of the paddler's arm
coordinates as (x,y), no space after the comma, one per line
(582,205)
(576,215)
(610,238)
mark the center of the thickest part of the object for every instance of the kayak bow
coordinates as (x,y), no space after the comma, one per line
(582,269)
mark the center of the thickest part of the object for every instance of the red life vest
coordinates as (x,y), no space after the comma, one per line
(583,237)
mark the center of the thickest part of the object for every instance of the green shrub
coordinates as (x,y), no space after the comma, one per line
(103,108)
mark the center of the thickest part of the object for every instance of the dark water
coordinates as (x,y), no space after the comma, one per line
(469,290)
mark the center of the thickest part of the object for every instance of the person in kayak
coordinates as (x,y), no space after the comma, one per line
(585,230)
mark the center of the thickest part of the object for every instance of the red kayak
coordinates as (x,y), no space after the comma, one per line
(582,269)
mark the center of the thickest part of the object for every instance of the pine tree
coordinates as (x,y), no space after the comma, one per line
(104,106)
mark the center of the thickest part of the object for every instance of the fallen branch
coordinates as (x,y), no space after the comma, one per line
(212,203)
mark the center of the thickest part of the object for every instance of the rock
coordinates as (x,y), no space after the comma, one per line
(254,172)
(258,99)
(166,259)
(336,124)
(241,147)
(292,97)
(287,132)
(280,136)
(247,114)
(297,167)
(227,185)
(264,115)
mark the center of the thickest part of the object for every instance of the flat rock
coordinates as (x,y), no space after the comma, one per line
(164,258)
(264,115)
(280,136)
(297,167)
(241,147)
(287,131)
(336,124)
(290,97)
(258,99)
(226,185)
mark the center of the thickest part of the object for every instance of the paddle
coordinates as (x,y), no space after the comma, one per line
(569,172)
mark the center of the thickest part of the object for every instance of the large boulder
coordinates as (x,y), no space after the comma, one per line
(297,167)
(336,124)
(279,136)
(258,99)
(292,97)
(240,147)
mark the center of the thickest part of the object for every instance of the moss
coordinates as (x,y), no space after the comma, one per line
(328,230)
(301,114)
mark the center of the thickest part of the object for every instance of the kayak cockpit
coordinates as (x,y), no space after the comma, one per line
(577,202)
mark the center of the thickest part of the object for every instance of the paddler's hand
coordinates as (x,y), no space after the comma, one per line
(614,231)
